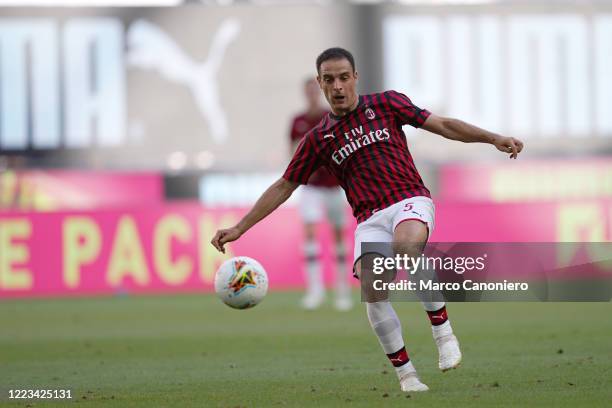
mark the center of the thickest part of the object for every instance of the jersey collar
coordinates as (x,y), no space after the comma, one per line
(359,104)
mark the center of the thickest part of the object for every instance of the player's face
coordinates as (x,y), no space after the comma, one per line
(338,82)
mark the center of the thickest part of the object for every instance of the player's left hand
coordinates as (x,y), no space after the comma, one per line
(509,145)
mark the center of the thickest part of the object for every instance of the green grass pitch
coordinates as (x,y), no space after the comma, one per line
(192,351)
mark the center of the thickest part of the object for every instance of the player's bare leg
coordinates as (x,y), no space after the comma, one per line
(409,238)
(343,300)
(387,326)
(315,290)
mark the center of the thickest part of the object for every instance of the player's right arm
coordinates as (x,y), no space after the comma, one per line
(274,196)
(303,163)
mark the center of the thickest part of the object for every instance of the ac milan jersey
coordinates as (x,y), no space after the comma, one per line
(367,151)
(299,127)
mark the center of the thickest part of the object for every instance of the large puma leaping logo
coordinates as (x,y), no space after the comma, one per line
(151,48)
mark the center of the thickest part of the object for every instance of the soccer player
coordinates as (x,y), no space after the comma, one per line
(322,194)
(362,143)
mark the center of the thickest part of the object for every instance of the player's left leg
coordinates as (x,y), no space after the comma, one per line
(412,227)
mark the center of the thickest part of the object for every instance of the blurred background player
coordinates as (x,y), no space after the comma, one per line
(322,194)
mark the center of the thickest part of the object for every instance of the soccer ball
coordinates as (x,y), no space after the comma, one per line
(241,282)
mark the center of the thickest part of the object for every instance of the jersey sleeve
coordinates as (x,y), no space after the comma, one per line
(404,110)
(304,161)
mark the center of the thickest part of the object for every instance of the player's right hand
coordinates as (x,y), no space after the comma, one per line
(510,145)
(224,236)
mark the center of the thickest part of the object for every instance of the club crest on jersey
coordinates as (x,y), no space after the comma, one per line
(370,113)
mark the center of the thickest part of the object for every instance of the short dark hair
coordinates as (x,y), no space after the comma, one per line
(335,53)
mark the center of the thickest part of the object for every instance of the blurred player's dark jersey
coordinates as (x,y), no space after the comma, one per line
(367,151)
(321,177)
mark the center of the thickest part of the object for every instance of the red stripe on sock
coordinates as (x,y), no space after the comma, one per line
(438,317)
(399,358)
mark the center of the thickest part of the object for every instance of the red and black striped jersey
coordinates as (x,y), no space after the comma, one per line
(367,151)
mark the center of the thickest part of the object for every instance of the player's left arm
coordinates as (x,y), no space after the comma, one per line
(456,129)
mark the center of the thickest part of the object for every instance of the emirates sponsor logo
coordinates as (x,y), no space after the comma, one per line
(356,139)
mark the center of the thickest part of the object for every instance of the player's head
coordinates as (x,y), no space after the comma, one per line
(337,78)
(312,92)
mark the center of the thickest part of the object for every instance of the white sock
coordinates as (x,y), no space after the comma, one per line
(314,278)
(386,326)
(405,369)
(388,329)
(442,330)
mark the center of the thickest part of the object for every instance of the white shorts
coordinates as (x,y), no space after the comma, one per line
(315,202)
(381,225)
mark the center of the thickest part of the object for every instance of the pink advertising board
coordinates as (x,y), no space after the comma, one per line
(527,181)
(166,248)
(49,190)
(139,250)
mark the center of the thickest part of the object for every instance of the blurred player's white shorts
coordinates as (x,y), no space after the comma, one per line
(316,202)
(381,225)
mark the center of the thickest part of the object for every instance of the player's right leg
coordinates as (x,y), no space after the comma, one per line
(387,327)
(381,315)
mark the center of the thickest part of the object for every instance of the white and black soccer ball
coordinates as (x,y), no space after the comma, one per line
(241,282)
